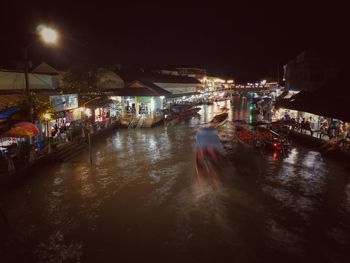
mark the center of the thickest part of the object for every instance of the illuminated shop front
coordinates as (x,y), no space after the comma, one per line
(102,112)
(65,109)
(143,107)
(142,102)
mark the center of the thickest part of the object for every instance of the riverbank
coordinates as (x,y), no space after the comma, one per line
(325,147)
(140,178)
(66,149)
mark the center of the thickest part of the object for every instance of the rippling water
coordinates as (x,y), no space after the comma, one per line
(140,201)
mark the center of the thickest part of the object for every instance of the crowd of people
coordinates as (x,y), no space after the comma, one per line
(336,131)
(16,154)
(61,134)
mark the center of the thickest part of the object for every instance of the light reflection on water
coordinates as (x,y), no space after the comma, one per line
(140,200)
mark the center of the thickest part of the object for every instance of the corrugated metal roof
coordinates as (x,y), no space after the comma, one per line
(11,81)
(132,75)
(11,100)
(328,104)
(142,88)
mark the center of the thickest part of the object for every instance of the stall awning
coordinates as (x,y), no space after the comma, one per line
(143,88)
(7,100)
(7,113)
(321,103)
(95,103)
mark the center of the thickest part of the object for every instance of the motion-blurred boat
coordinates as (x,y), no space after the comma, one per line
(208,155)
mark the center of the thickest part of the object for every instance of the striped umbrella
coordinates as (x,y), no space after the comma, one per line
(22,130)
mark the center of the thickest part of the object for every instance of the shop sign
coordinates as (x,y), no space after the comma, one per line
(144,99)
(64,102)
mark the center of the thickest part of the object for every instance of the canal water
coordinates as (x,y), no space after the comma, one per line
(140,202)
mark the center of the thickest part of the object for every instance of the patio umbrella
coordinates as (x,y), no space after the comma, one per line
(22,130)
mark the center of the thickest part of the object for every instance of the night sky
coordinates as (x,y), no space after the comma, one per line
(243,40)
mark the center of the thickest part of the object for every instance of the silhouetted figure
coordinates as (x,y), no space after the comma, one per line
(302,125)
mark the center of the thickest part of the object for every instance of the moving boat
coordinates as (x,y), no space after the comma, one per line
(208,157)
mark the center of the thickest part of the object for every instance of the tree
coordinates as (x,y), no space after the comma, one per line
(40,107)
(82,80)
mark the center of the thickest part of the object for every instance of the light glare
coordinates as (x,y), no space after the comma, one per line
(48,35)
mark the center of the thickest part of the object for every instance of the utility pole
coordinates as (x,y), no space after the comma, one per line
(278,75)
(89,141)
(26,78)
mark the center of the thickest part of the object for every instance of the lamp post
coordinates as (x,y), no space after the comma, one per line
(88,128)
(47,118)
(49,36)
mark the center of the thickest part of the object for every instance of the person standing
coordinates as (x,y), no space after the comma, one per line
(286,116)
(331,131)
(302,125)
(340,130)
(324,128)
(10,165)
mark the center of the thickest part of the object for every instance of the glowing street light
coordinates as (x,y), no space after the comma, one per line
(47,118)
(48,35)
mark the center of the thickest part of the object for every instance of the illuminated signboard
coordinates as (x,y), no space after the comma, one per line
(64,102)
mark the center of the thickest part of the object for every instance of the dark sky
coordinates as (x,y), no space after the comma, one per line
(241,39)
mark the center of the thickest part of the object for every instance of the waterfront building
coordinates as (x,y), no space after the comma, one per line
(44,87)
(191,72)
(103,106)
(309,71)
(142,104)
(179,88)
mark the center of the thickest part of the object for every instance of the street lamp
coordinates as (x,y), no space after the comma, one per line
(48,35)
(87,125)
(47,118)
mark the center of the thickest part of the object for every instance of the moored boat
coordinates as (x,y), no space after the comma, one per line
(190,111)
(270,139)
(219,119)
(245,135)
(184,110)
(180,111)
(171,119)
